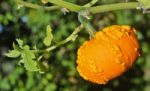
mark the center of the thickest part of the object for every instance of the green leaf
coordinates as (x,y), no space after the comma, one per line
(13,54)
(28,59)
(49,36)
(20,42)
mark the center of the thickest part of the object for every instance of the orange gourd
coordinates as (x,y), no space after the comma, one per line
(109,54)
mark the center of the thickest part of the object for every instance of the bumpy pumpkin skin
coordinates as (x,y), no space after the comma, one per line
(109,54)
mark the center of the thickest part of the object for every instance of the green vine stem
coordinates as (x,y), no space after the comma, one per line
(73,7)
(112,7)
(69,38)
(96,9)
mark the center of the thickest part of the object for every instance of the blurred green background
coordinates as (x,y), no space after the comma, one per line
(29,25)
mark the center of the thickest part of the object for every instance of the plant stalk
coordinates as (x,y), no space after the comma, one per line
(112,7)
(76,8)
(71,37)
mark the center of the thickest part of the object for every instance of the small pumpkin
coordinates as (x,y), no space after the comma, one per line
(109,54)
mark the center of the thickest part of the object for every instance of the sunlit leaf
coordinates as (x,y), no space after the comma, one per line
(28,59)
(13,54)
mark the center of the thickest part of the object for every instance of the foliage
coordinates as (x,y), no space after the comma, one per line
(60,65)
